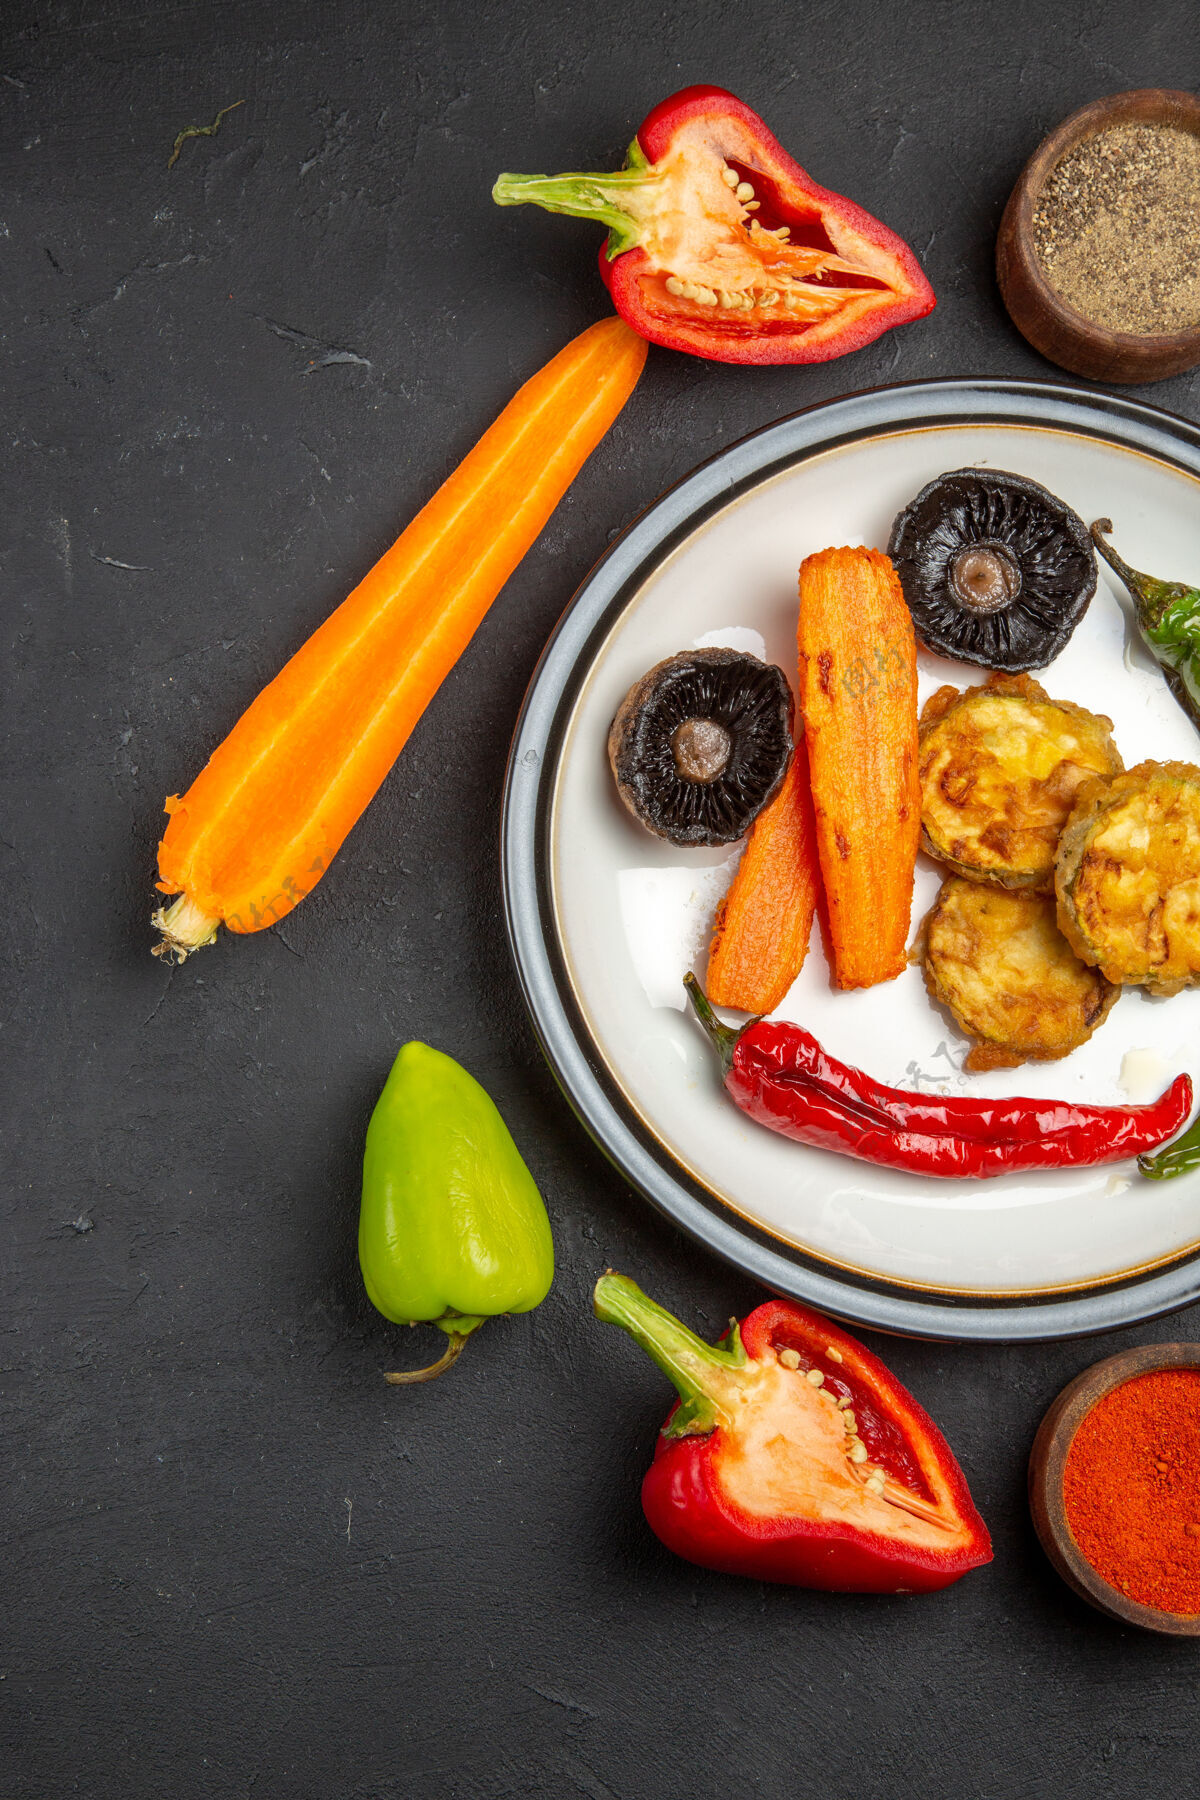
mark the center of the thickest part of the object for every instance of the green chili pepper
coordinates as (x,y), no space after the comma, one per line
(1176,1159)
(1168,615)
(452,1229)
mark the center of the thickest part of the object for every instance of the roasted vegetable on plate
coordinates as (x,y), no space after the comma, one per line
(1128,876)
(1168,616)
(1000,766)
(858,700)
(701,744)
(762,928)
(997,570)
(778,1074)
(996,959)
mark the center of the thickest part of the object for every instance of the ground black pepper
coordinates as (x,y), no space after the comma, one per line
(1117,229)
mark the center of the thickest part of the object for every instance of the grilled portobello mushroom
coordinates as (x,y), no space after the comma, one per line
(995,569)
(701,743)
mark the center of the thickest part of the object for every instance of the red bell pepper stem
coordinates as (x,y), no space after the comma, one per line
(706,1377)
(596,197)
(780,1075)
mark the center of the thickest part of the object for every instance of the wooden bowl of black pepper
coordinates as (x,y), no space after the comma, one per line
(1098,255)
(1137,1474)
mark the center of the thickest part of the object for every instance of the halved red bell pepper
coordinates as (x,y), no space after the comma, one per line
(721,245)
(794,1455)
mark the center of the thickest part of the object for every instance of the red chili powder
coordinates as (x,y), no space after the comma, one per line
(1132,1489)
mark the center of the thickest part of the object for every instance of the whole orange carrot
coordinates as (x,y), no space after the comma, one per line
(761,934)
(858,694)
(266,815)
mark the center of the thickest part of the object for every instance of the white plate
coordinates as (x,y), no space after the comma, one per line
(620,914)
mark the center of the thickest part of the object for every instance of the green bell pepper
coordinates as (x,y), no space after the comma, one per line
(1168,616)
(452,1229)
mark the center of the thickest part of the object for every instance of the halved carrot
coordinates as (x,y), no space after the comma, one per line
(264,818)
(762,929)
(858,695)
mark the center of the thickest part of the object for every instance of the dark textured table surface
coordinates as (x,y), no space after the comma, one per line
(236,1564)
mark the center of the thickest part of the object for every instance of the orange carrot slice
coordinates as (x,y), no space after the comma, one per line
(763,926)
(858,694)
(262,821)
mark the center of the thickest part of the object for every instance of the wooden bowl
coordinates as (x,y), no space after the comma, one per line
(1062,334)
(1048,1460)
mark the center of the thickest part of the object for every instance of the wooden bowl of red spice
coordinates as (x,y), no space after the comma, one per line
(1114,1487)
(1098,255)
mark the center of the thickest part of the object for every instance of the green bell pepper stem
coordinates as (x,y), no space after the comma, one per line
(707,1378)
(610,200)
(457,1330)
(1168,615)
(1176,1159)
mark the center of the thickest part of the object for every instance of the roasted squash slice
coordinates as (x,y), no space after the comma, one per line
(1128,876)
(998,962)
(999,767)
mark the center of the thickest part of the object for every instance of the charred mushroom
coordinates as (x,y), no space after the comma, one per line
(701,743)
(995,569)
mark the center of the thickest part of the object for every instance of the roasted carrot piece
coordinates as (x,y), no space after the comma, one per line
(762,929)
(262,821)
(858,695)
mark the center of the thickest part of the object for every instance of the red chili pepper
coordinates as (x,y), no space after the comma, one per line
(721,245)
(795,1455)
(781,1076)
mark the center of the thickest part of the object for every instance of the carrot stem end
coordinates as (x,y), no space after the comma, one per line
(184,927)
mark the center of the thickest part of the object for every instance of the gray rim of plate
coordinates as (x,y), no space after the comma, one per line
(525,852)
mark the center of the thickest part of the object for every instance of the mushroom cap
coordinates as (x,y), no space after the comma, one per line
(996,570)
(702,787)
